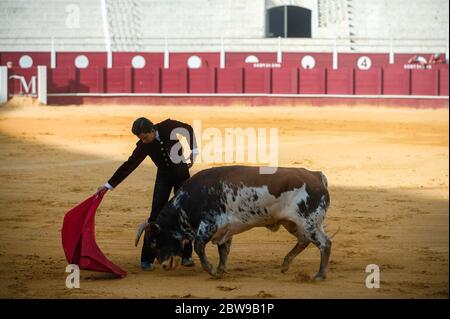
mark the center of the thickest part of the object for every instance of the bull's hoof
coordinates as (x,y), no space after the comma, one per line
(216,274)
(220,272)
(284,268)
(319,277)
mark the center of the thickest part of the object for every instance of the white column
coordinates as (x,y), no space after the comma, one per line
(106,33)
(279,53)
(3,84)
(391,53)
(53,55)
(222,55)
(109,58)
(335,55)
(166,55)
(42,84)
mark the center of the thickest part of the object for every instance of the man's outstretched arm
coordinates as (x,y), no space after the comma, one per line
(125,169)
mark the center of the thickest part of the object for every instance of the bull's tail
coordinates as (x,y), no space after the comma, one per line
(324,179)
(335,233)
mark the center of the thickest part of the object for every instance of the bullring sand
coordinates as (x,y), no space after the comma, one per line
(388,176)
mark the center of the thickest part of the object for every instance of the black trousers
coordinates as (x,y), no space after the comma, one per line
(166,180)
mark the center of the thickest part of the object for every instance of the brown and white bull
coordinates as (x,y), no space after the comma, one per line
(217,203)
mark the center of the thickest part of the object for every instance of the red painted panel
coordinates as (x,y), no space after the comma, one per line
(368,82)
(396,81)
(118,80)
(230,80)
(237,59)
(209,59)
(22,81)
(174,80)
(312,81)
(146,80)
(61,80)
(39,58)
(123,59)
(443,81)
(201,80)
(284,81)
(257,80)
(350,60)
(424,82)
(90,80)
(67,59)
(323,60)
(340,81)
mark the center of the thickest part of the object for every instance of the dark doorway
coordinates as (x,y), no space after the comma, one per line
(288,22)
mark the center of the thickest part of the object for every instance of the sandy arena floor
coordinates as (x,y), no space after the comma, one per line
(387,170)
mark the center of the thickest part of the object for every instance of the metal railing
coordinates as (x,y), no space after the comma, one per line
(205,44)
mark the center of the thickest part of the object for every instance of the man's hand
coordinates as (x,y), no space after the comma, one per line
(102,189)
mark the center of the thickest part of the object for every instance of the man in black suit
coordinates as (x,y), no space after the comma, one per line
(159,141)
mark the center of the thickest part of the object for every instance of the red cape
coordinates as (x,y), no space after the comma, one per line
(78,238)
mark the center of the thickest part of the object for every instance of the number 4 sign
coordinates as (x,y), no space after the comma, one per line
(364,63)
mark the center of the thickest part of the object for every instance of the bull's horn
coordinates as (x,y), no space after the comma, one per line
(139,233)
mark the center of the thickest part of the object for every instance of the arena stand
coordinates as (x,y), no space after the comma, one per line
(123,51)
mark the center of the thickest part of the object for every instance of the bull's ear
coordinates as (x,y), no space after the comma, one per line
(154,229)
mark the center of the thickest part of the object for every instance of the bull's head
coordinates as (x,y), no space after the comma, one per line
(168,245)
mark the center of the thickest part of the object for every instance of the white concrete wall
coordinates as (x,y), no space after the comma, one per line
(193,25)
(203,18)
(32,23)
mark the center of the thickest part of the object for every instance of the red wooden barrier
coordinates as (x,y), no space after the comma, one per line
(237,59)
(424,82)
(174,80)
(61,80)
(293,60)
(229,80)
(340,81)
(312,81)
(201,80)
(208,59)
(368,82)
(39,58)
(350,60)
(396,81)
(443,81)
(290,78)
(118,80)
(90,80)
(257,80)
(146,80)
(285,81)
(124,59)
(67,59)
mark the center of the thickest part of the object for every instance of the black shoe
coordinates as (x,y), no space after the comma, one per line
(147,266)
(187,262)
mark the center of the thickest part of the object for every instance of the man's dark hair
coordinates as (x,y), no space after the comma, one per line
(142,125)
